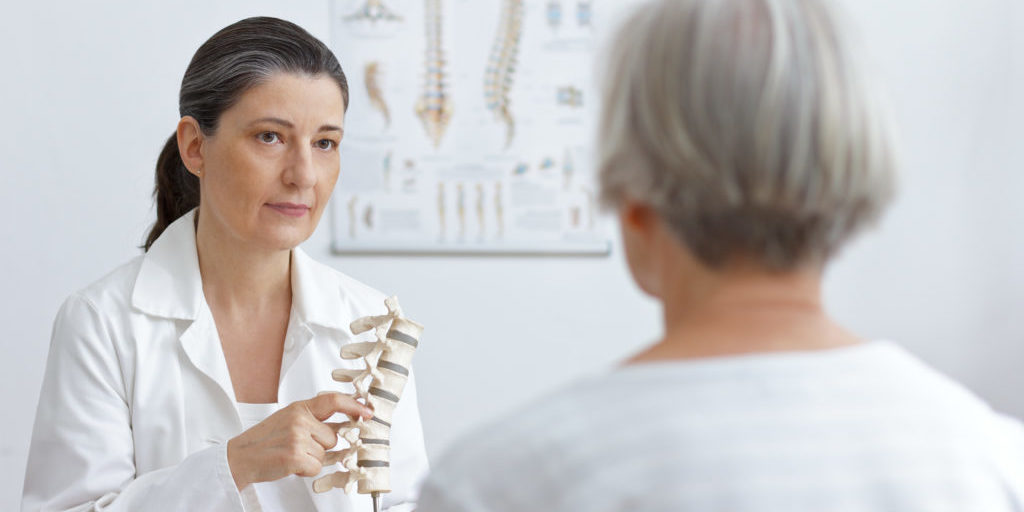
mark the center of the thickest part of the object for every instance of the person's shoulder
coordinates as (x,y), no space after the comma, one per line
(951,408)
(525,452)
(113,291)
(966,419)
(347,285)
(925,384)
(96,308)
(358,297)
(358,291)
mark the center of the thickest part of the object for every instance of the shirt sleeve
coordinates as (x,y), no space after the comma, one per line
(82,454)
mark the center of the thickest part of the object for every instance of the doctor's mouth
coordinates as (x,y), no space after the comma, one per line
(289,209)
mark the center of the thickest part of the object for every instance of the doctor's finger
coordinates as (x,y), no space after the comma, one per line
(325,405)
(316,450)
(310,465)
(325,436)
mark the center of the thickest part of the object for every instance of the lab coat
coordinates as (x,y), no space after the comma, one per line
(137,404)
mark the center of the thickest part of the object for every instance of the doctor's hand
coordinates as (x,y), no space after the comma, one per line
(292,441)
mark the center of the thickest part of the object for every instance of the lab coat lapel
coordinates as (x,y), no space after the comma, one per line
(169,285)
(201,344)
(316,307)
(296,342)
(316,293)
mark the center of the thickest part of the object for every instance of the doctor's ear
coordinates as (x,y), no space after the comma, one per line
(190,144)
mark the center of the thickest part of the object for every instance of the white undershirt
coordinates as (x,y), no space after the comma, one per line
(287,494)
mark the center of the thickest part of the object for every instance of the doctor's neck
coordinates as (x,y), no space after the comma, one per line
(238,276)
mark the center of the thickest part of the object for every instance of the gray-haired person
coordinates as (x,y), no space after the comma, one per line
(741,149)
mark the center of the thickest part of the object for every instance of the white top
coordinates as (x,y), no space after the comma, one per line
(137,404)
(863,428)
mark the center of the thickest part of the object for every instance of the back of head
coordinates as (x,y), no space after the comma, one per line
(746,125)
(234,60)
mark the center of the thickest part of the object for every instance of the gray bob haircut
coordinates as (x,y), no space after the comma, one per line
(746,126)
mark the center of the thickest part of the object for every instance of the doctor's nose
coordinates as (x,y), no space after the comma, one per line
(300,171)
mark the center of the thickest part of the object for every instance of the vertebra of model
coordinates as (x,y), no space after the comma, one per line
(434,108)
(379,384)
(501,66)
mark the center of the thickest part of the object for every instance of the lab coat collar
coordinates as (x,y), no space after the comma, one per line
(169,283)
(316,292)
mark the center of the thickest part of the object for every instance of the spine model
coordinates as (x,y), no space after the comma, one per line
(380,384)
(434,108)
(501,65)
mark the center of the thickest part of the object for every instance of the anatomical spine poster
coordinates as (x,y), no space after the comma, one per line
(468,128)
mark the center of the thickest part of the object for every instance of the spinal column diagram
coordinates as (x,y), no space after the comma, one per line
(501,66)
(434,108)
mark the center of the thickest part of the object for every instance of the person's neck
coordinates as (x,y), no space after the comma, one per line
(239,279)
(743,311)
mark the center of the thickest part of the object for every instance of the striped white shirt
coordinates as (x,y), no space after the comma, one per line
(862,428)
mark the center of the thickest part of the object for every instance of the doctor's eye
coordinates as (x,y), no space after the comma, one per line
(326,144)
(268,137)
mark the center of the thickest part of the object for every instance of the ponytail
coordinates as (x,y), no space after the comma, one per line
(176,191)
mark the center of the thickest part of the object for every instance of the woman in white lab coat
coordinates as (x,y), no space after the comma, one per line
(190,377)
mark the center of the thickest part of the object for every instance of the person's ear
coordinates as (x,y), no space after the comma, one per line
(639,224)
(190,144)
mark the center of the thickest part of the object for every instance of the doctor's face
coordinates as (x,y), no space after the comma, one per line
(272,163)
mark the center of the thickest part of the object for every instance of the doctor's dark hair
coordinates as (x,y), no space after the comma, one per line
(236,59)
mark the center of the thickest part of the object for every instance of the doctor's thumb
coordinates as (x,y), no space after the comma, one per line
(325,405)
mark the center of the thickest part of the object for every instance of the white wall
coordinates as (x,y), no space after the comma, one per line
(943,275)
(88,96)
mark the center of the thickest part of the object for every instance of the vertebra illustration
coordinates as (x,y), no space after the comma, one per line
(371,78)
(569,96)
(434,108)
(584,12)
(374,11)
(501,65)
